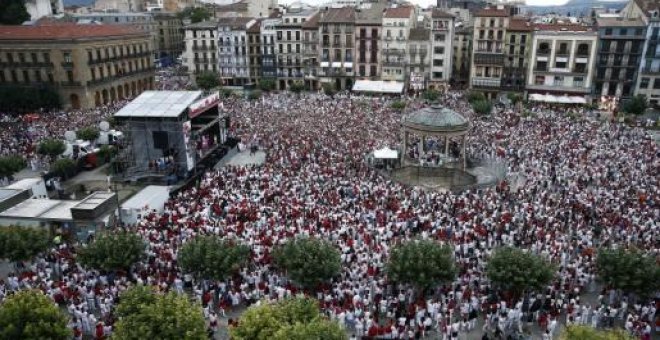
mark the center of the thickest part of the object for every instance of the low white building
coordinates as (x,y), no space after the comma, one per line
(442,38)
(201,50)
(562,62)
(397,23)
(233,50)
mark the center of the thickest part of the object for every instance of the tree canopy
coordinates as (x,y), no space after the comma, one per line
(636,105)
(207,80)
(482,107)
(148,315)
(28,98)
(195,14)
(9,165)
(267,84)
(517,271)
(88,133)
(421,263)
(398,105)
(579,332)
(475,96)
(112,251)
(431,95)
(631,271)
(329,89)
(64,167)
(23,243)
(210,257)
(291,319)
(29,314)
(51,147)
(308,261)
(13,12)
(297,87)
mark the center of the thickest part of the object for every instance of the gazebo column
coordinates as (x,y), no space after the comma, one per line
(446,146)
(422,140)
(405,145)
(464,156)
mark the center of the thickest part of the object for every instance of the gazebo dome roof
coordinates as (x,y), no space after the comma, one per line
(436,119)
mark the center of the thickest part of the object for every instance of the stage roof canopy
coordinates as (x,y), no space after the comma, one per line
(386,153)
(159,104)
(548,98)
(378,86)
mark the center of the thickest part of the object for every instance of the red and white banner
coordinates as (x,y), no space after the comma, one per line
(203,104)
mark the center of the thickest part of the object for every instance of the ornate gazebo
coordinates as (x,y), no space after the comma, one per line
(435,121)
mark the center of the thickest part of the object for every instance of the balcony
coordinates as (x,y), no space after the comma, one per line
(562,53)
(67,64)
(394,51)
(70,84)
(394,63)
(543,52)
(650,70)
(486,82)
(488,59)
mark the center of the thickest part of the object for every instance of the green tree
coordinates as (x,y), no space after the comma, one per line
(195,14)
(515,98)
(29,98)
(106,152)
(112,251)
(29,314)
(51,147)
(578,332)
(9,165)
(207,80)
(475,96)
(308,262)
(212,258)
(421,263)
(431,95)
(267,84)
(631,271)
(636,105)
(23,243)
(90,134)
(329,89)
(64,167)
(297,87)
(13,12)
(398,105)
(291,319)
(516,271)
(482,107)
(168,316)
(254,94)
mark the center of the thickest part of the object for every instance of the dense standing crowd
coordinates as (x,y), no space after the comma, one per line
(584,184)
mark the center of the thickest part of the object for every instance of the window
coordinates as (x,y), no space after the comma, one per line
(578,82)
(439,50)
(47,57)
(439,37)
(33,57)
(560,64)
(523,39)
(437,75)
(93,73)
(21,57)
(288,35)
(26,76)
(559,81)
(656,83)
(512,39)
(14,78)
(67,57)
(374,70)
(623,31)
(608,31)
(541,65)
(539,80)
(69,76)
(644,83)
(362,70)
(438,62)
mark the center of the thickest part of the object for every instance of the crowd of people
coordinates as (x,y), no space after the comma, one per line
(584,184)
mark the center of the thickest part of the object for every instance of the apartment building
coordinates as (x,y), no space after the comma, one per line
(169,30)
(201,52)
(648,80)
(254,51)
(233,59)
(441,38)
(289,42)
(419,58)
(337,32)
(620,47)
(488,44)
(268,33)
(397,23)
(89,65)
(461,57)
(368,26)
(311,51)
(517,47)
(562,62)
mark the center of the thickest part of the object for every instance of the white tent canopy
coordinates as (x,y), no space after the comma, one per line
(378,86)
(386,153)
(548,98)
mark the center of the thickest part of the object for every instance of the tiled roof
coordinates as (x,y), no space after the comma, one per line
(417,34)
(436,13)
(520,24)
(337,15)
(255,28)
(399,12)
(562,27)
(492,12)
(203,25)
(373,15)
(312,22)
(233,22)
(620,22)
(66,31)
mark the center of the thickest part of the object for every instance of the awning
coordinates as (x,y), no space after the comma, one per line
(386,153)
(565,99)
(378,86)
(325,64)
(336,64)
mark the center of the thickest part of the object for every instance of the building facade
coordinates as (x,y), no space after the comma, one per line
(562,61)
(311,51)
(254,51)
(289,41)
(461,57)
(397,23)
(620,46)
(337,51)
(419,59)
(170,37)
(517,47)
(201,53)
(268,33)
(488,49)
(368,27)
(648,80)
(89,65)
(442,38)
(233,58)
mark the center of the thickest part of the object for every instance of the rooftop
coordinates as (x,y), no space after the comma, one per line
(256,27)
(398,12)
(338,15)
(203,25)
(437,14)
(492,12)
(94,200)
(41,208)
(520,24)
(417,34)
(620,22)
(562,27)
(235,23)
(168,104)
(436,118)
(67,31)
(371,15)
(312,22)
